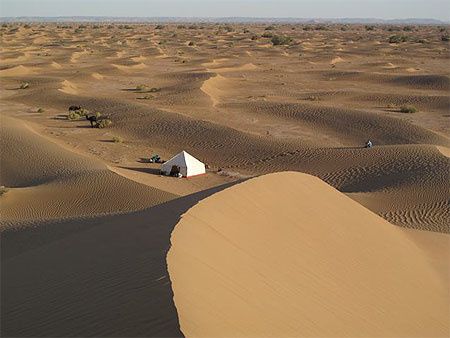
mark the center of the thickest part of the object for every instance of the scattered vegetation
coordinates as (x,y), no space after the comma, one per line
(117,139)
(24,85)
(267,35)
(228,28)
(408,28)
(445,38)
(105,123)
(370,28)
(398,38)
(408,109)
(181,27)
(270,28)
(279,40)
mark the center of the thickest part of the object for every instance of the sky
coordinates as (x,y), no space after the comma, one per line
(382,9)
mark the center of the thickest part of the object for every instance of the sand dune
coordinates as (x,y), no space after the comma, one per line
(287,255)
(54,183)
(99,277)
(134,67)
(18,71)
(69,88)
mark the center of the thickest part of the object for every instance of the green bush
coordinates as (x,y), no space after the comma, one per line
(73,116)
(398,38)
(105,123)
(279,40)
(408,109)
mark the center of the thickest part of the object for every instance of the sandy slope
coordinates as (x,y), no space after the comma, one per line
(46,181)
(93,277)
(287,255)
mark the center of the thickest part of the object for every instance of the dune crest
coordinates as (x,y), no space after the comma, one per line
(18,71)
(287,255)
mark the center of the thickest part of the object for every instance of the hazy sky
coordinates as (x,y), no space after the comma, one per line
(386,9)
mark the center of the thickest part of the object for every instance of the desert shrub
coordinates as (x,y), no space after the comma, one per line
(105,123)
(255,37)
(26,26)
(191,43)
(408,28)
(78,30)
(127,27)
(270,28)
(408,109)
(141,87)
(117,139)
(308,28)
(420,41)
(370,28)
(73,116)
(24,85)
(3,190)
(95,26)
(267,35)
(321,28)
(398,38)
(246,31)
(145,97)
(445,38)
(40,110)
(159,27)
(344,28)
(228,28)
(279,40)
(181,27)
(98,114)
(4,25)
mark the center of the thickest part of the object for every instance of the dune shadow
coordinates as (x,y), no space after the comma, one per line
(102,277)
(153,171)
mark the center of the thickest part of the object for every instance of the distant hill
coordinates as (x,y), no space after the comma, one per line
(414,21)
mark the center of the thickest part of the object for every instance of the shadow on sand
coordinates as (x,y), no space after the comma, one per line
(104,276)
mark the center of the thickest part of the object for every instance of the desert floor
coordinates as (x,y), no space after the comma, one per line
(86,222)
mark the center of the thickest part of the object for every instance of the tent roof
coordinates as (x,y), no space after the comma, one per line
(184,158)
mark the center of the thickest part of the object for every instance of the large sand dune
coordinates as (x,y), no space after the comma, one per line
(287,255)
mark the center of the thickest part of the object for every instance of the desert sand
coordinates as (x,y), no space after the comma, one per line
(286,255)
(86,221)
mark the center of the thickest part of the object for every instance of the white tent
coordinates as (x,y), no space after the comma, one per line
(183,163)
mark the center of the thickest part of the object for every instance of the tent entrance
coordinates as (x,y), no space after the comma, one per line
(175,170)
